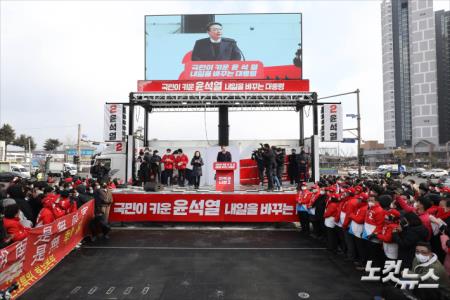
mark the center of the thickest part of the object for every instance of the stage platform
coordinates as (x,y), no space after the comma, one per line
(185,204)
(287,188)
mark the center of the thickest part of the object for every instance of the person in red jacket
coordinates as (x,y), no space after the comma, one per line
(46,215)
(169,161)
(349,207)
(391,222)
(181,162)
(373,224)
(12,225)
(420,207)
(356,228)
(304,199)
(330,218)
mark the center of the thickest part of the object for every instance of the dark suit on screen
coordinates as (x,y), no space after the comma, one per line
(227,49)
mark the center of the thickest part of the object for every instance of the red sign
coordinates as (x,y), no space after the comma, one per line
(212,207)
(27,261)
(224,86)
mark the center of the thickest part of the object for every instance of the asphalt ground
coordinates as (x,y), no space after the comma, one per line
(203,264)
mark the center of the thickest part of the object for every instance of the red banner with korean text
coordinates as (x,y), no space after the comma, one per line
(224,86)
(27,261)
(208,207)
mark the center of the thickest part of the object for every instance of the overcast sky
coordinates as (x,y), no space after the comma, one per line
(62,60)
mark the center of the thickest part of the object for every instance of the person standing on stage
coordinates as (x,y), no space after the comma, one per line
(168,160)
(223,155)
(257,156)
(181,162)
(293,166)
(155,165)
(280,156)
(197,163)
(303,167)
(269,162)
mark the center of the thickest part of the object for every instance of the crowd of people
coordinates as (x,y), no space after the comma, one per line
(174,168)
(377,220)
(271,161)
(25,204)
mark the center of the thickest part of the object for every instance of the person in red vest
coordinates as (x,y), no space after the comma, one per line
(181,162)
(168,160)
(12,225)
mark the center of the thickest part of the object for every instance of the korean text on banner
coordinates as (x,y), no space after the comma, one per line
(115,123)
(332,123)
(27,261)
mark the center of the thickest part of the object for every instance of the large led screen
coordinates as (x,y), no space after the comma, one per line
(231,46)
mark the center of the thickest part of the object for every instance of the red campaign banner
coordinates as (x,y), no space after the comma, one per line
(224,86)
(214,207)
(27,261)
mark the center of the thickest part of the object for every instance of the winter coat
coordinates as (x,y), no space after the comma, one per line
(407,240)
(169,161)
(196,163)
(14,228)
(181,161)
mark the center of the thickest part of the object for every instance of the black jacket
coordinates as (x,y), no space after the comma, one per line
(407,241)
(204,50)
(224,157)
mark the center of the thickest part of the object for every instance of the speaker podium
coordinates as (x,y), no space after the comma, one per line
(225,176)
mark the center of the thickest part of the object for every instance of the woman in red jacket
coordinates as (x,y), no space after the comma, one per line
(331,217)
(12,223)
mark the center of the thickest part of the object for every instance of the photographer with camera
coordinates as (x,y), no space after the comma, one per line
(280,157)
(257,156)
(269,162)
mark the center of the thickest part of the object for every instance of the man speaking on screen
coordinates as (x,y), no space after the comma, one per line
(215,47)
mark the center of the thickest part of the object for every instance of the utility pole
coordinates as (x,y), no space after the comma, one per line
(79,148)
(359,133)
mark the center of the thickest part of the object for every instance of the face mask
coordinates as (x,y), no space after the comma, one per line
(314,191)
(392,205)
(322,192)
(422,258)
(76,195)
(416,204)
(303,187)
(91,191)
(371,204)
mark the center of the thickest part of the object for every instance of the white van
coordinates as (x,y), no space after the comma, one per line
(6,166)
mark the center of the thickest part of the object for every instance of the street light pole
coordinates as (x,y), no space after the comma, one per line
(359,133)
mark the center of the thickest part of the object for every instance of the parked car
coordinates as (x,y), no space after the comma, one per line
(434,173)
(416,171)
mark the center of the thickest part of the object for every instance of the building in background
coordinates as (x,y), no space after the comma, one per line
(442,20)
(409,73)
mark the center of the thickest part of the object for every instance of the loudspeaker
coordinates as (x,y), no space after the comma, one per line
(195,23)
(153,187)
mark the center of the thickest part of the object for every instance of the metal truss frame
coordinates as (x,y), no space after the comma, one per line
(199,102)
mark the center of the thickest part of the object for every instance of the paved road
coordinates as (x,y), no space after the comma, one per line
(203,264)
